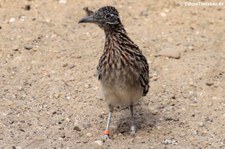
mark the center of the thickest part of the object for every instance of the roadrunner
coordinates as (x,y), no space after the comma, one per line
(123,70)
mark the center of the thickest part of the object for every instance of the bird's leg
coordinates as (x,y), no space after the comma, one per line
(106,131)
(132,126)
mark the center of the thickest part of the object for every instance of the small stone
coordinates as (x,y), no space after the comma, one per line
(28,47)
(153,111)
(209,83)
(170,52)
(68,97)
(22,18)
(169,141)
(163,14)
(173,96)
(11,20)
(99,142)
(195,100)
(170,39)
(62,136)
(190,47)
(56,95)
(77,128)
(195,132)
(144,13)
(18,147)
(20,88)
(72,79)
(65,65)
(27,7)
(67,119)
(87,85)
(208,119)
(201,124)
(15,48)
(62,1)
(166,10)
(71,66)
(171,119)
(47,20)
(89,134)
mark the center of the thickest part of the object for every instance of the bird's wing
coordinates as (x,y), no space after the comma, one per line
(144,74)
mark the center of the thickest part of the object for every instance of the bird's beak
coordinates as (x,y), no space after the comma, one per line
(88,19)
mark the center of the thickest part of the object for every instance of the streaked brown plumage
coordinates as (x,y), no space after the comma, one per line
(122,70)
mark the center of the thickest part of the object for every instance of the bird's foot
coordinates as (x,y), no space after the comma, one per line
(106,137)
(133,131)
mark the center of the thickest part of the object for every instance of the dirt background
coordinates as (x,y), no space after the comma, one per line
(49,93)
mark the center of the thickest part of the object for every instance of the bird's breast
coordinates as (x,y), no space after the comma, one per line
(117,71)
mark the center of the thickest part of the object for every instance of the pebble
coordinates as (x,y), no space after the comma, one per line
(166,10)
(162,14)
(62,1)
(68,97)
(20,88)
(15,48)
(153,111)
(195,132)
(71,66)
(169,52)
(22,18)
(171,119)
(99,142)
(27,7)
(190,47)
(209,83)
(72,79)
(170,141)
(77,128)
(144,13)
(11,20)
(65,65)
(201,124)
(87,85)
(169,39)
(48,20)
(28,47)
(89,134)
(56,95)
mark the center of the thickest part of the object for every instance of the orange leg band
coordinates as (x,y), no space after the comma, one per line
(106,132)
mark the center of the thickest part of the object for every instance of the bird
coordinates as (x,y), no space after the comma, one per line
(123,70)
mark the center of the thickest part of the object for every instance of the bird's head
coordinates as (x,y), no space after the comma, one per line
(106,17)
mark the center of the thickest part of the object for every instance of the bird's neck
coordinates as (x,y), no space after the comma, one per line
(115,30)
(113,36)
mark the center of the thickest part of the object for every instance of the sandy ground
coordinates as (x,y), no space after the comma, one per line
(49,93)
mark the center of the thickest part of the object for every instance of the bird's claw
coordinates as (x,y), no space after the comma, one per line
(132,133)
(133,130)
(106,137)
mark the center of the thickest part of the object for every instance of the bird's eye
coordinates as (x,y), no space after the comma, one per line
(108,15)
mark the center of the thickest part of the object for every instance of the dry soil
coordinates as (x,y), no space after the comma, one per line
(49,93)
